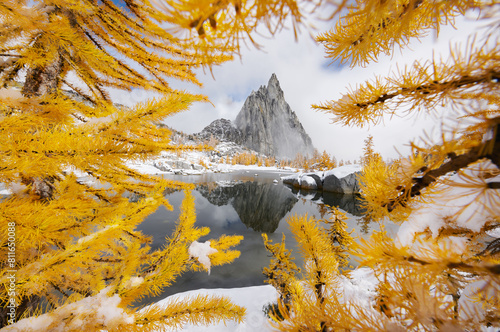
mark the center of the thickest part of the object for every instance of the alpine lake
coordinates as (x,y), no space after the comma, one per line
(247,203)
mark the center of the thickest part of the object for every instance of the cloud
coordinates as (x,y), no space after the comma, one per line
(306,78)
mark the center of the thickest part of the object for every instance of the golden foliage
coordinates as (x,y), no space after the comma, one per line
(76,243)
(64,153)
(281,271)
(305,302)
(373,27)
(440,273)
(340,237)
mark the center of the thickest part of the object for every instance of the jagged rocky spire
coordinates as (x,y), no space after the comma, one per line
(269,125)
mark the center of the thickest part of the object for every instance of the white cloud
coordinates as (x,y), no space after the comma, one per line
(306,79)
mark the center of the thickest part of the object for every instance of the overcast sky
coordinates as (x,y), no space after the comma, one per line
(307,77)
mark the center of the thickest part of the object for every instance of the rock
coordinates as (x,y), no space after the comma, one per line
(223,130)
(332,184)
(162,166)
(269,126)
(319,183)
(350,183)
(197,167)
(289,179)
(308,183)
(178,164)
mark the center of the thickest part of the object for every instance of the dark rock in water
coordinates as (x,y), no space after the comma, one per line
(308,183)
(327,182)
(223,130)
(332,184)
(346,202)
(269,125)
(260,206)
(350,183)
(317,179)
(289,180)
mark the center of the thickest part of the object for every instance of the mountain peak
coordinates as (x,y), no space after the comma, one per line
(273,80)
(269,126)
(273,87)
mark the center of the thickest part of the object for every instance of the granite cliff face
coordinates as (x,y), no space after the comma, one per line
(265,124)
(223,130)
(269,125)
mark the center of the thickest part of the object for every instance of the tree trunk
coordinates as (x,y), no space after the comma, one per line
(43,80)
(39,81)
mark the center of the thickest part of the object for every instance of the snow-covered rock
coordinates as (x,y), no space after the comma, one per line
(350,183)
(345,170)
(331,183)
(343,180)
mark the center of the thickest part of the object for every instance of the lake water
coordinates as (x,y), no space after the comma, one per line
(244,203)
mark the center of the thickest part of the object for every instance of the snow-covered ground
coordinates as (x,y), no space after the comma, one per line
(190,163)
(254,299)
(194,162)
(360,288)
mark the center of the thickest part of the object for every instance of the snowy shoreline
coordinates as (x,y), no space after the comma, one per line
(359,288)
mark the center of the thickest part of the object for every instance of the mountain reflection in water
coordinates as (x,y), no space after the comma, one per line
(242,208)
(260,206)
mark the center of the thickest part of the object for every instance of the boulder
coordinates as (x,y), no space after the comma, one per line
(162,166)
(332,184)
(319,182)
(287,179)
(178,164)
(307,182)
(197,167)
(350,183)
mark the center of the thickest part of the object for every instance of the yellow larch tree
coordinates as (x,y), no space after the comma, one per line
(70,245)
(369,153)
(442,272)
(309,302)
(281,273)
(327,162)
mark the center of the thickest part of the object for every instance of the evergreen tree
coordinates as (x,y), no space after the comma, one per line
(369,153)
